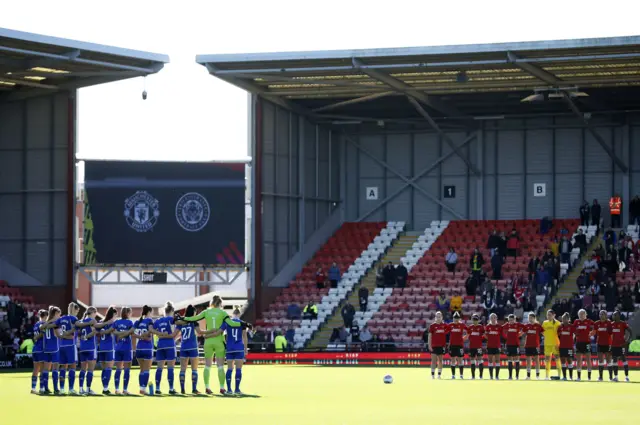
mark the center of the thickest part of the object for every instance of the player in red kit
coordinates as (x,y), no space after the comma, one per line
(493,331)
(621,335)
(532,332)
(475,334)
(437,343)
(583,328)
(566,334)
(512,331)
(602,330)
(456,331)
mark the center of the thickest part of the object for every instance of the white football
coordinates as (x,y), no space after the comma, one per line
(388,379)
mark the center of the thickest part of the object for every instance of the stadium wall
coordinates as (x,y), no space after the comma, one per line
(511,156)
(36,189)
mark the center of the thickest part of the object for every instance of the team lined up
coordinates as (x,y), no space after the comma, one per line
(561,341)
(111,341)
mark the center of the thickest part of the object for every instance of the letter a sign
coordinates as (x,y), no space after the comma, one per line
(372,193)
(539,189)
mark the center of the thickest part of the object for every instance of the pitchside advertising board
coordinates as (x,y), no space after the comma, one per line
(164,213)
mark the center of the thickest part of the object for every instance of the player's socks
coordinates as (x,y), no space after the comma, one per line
(625,365)
(207,376)
(589,374)
(473,370)
(610,370)
(62,377)
(194,380)
(453,371)
(183,376)
(491,370)
(106,378)
(433,373)
(579,374)
(461,371)
(56,378)
(89,379)
(510,369)
(221,376)
(116,379)
(517,369)
(571,371)
(158,377)
(83,374)
(439,373)
(238,378)
(170,377)
(34,381)
(44,380)
(229,375)
(127,375)
(601,370)
(481,369)
(72,379)
(564,372)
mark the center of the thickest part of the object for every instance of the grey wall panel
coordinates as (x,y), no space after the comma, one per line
(323,179)
(539,151)
(426,150)
(11,217)
(425,210)
(399,209)
(454,165)
(459,203)
(268,225)
(367,205)
(568,195)
(11,125)
(598,186)
(368,167)
(268,128)
(635,148)
(39,115)
(569,150)
(490,198)
(38,261)
(490,156)
(539,206)
(11,170)
(510,197)
(268,260)
(39,166)
(399,153)
(268,173)
(596,159)
(634,184)
(59,214)
(310,218)
(38,225)
(353,184)
(59,261)
(510,152)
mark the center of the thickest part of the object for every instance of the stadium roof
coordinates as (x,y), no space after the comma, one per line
(476,80)
(32,64)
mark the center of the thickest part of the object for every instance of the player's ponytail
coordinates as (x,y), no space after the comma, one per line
(216,301)
(125,312)
(111,312)
(53,310)
(42,314)
(236,310)
(168,308)
(91,310)
(73,308)
(146,310)
(191,311)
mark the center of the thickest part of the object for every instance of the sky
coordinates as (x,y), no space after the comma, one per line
(190,115)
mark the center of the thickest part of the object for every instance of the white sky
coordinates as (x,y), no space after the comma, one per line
(191,115)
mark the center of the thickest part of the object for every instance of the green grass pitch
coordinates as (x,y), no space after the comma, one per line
(308,395)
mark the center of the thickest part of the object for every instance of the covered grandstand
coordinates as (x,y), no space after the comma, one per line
(393,151)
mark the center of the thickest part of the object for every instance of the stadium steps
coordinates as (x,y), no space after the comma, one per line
(397,251)
(568,286)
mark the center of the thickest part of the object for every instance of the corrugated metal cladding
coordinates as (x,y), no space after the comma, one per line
(33,186)
(300,183)
(513,156)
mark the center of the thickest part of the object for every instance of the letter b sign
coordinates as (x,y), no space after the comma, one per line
(539,189)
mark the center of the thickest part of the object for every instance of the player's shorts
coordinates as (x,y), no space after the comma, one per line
(144,354)
(513,350)
(189,353)
(551,350)
(566,352)
(166,354)
(531,351)
(583,348)
(236,355)
(216,348)
(105,356)
(37,357)
(124,356)
(475,352)
(68,355)
(438,351)
(493,351)
(87,356)
(618,351)
(604,349)
(456,351)
(51,357)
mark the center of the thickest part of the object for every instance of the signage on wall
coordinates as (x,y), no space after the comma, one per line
(372,193)
(539,189)
(449,191)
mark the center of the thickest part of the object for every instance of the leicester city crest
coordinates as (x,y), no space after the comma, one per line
(141,210)
(192,212)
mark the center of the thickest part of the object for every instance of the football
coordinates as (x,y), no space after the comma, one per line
(388,379)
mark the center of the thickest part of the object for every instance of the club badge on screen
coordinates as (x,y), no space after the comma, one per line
(192,212)
(141,211)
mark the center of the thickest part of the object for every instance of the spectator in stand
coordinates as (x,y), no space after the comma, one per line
(280,342)
(610,265)
(502,245)
(496,264)
(624,253)
(565,251)
(310,311)
(380,276)
(542,278)
(615,208)
(456,303)
(534,263)
(354,331)
(610,240)
(545,225)
(611,296)
(585,211)
(636,291)
(363,297)
(389,274)
(334,275)
(450,260)
(634,211)
(489,304)
(494,242)
(554,247)
(339,334)
(348,312)
(596,211)
(590,265)
(289,335)
(548,256)
(294,312)
(626,300)
(508,309)
(600,253)
(365,338)
(476,262)
(442,303)
(582,282)
(401,274)
(581,241)
(321,278)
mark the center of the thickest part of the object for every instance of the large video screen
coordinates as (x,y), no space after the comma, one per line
(164,212)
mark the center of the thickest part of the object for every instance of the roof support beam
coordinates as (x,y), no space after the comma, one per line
(28,83)
(412,181)
(444,135)
(572,105)
(354,101)
(275,79)
(534,70)
(402,87)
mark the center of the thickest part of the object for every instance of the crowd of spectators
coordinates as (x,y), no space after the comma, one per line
(16,329)
(391,276)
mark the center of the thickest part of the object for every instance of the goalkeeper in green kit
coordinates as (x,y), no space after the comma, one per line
(214,344)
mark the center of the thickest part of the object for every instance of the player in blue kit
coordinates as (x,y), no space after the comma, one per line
(105,347)
(68,353)
(87,351)
(143,330)
(37,352)
(51,353)
(166,349)
(123,354)
(236,350)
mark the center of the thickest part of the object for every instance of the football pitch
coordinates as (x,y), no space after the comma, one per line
(307,395)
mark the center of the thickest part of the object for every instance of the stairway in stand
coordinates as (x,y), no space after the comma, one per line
(397,251)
